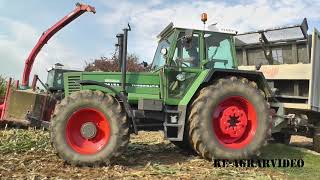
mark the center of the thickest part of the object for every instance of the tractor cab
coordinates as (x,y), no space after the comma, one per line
(55,78)
(184,54)
(194,49)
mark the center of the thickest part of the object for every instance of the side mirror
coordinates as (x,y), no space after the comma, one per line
(145,64)
(164,51)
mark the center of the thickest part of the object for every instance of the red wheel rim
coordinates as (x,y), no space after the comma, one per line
(75,138)
(234,122)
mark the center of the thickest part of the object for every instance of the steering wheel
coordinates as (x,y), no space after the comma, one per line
(184,64)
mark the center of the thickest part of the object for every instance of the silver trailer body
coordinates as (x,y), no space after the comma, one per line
(289,58)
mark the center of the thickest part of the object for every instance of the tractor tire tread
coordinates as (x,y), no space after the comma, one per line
(197,136)
(114,111)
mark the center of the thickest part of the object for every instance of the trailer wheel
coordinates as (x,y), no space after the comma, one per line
(282,138)
(89,128)
(229,120)
(316,139)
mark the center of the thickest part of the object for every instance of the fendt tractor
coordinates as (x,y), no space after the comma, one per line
(193,92)
(30,106)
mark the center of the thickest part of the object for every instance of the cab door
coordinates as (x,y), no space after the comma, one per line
(183,66)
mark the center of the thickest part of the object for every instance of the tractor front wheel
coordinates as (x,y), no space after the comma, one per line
(229,120)
(89,128)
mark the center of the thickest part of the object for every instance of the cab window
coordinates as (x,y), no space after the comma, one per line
(219,51)
(159,59)
(50,78)
(187,51)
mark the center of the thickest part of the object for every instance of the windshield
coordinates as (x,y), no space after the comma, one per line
(159,59)
(55,79)
(187,53)
(219,51)
(50,78)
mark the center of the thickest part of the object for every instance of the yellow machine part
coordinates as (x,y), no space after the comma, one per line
(23,102)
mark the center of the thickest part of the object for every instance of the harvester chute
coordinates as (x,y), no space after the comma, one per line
(24,102)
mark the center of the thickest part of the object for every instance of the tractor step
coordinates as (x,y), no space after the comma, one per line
(174,124)
(174,139)
(172,111)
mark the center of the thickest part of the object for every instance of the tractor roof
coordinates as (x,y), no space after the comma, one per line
(211,28)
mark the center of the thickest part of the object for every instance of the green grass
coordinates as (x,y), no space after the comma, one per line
(20,141)
(311,169)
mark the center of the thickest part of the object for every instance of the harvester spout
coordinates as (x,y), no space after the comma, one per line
(78,11)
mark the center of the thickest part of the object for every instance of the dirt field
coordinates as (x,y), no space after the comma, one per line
(28,154)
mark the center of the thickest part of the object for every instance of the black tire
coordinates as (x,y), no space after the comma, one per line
(115,115)
(316,139)
(200,125)
(282,138)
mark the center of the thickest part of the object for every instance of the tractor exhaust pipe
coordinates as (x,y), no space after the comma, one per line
(124,58)
(120,49)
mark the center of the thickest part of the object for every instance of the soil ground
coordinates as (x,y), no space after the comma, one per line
(27,154)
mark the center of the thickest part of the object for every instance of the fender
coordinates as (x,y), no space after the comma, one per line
(208,76)
(119,95)
(255,76)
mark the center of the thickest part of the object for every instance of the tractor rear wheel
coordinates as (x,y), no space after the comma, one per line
(89,128)
(229,120)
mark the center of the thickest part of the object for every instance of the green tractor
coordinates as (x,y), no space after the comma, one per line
(194,93)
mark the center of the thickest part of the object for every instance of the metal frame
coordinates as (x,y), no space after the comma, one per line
(314,85)
(303,27)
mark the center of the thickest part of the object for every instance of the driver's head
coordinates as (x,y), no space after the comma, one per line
(193,52)
(191,48)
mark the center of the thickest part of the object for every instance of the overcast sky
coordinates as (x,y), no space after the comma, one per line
(92,36)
